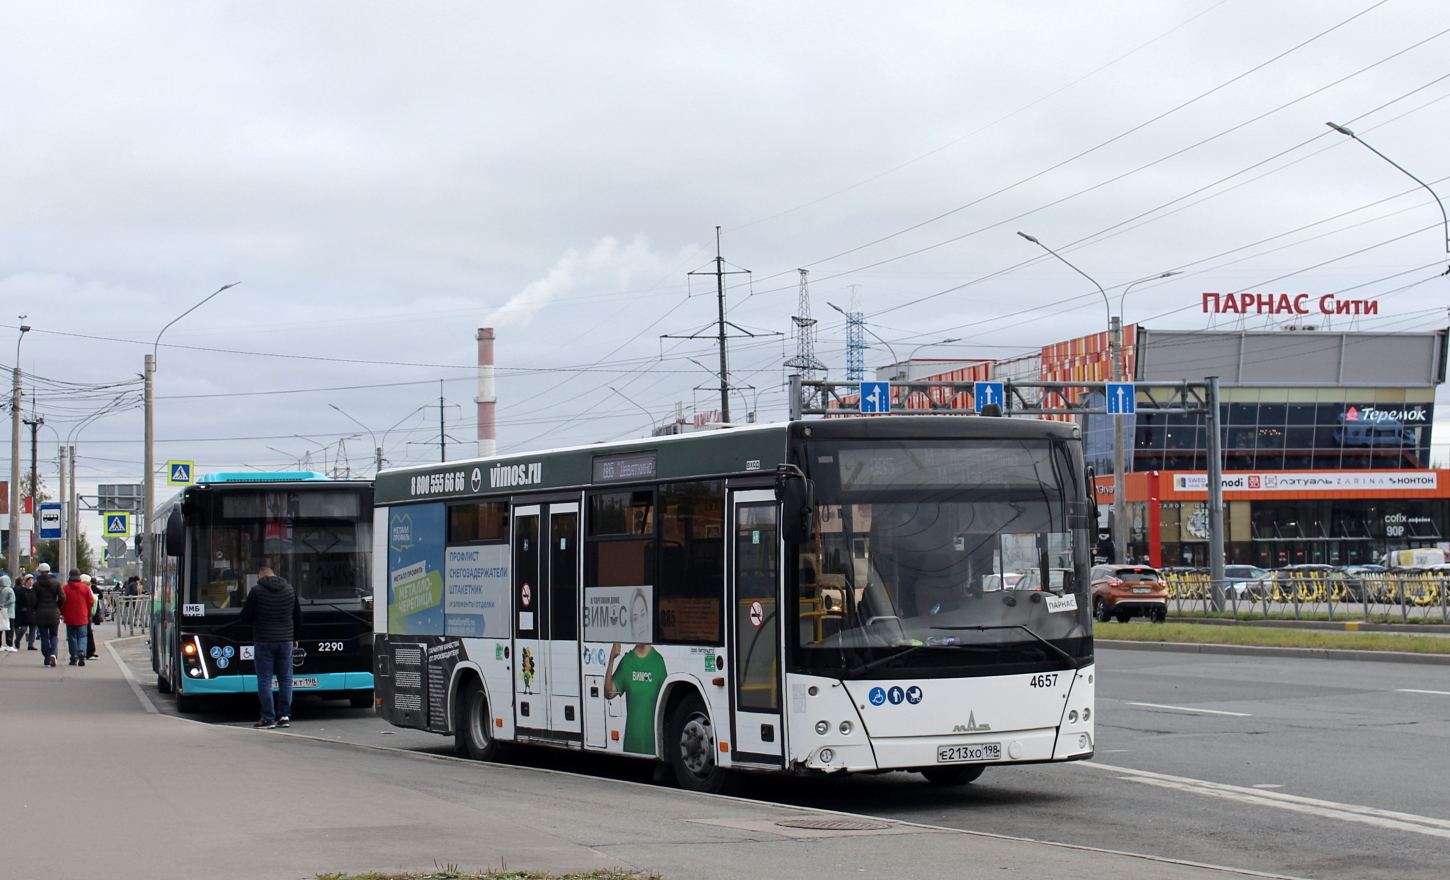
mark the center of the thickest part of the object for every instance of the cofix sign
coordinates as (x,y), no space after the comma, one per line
(1285,304)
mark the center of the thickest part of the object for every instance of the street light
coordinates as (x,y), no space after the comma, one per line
(1115,352)
(12,559)
(873,333)
(1443,216)
(1122,367)
(377,447)
(911,357)
(148,490)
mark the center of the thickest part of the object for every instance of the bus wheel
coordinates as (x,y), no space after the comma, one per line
(954,774)
(163,684)
(187,705)
(690,748)
(473,728)
(361,700)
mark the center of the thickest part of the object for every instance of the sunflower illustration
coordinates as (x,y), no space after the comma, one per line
(526,669)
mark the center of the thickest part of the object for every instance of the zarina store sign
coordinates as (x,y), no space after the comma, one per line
(1285,304)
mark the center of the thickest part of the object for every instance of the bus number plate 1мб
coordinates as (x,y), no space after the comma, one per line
(975,752)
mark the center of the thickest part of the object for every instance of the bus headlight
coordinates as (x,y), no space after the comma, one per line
(827,756)
(1086,714)
(188,649)
(823,727)
(845,728)
(1072,717)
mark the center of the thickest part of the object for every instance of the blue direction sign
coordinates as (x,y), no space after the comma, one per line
(984,393)
(50,522)
(118,524)
(178,473)
(1122,398)
(875,397)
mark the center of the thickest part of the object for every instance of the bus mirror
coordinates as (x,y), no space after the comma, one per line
(797,496)
(175,534)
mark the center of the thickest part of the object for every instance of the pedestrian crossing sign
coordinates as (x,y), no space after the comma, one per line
(178,473)
(118,524)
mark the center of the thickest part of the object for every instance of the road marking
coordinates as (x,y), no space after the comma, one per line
(1190,709)
(1427,825)
(1418,691)
(1267,785)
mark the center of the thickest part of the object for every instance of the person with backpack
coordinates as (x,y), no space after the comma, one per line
(76,610)
(45,611)
(98,615)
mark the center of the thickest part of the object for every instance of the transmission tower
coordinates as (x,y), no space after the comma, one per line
(805,361)
(855,341)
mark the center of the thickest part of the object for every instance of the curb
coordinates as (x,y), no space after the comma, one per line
(1269,651)
(1331,626)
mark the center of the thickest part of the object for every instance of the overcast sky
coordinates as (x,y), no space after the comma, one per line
(385,178)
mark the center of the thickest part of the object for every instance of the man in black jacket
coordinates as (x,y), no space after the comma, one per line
(276,618)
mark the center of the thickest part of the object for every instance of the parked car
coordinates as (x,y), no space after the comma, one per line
(1239,580)
(1128,591)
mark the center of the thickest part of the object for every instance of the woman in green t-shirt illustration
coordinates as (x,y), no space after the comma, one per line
(639,675)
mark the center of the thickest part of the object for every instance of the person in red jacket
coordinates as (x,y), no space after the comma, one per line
(76,612)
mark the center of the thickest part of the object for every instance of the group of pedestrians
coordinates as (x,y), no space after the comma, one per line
(33,609)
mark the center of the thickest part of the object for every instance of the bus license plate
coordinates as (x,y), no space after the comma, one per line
(309,682)
(976,752)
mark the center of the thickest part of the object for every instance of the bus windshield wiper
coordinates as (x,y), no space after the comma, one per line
(1061,654)
(872,664)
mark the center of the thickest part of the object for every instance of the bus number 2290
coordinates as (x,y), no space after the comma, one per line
(329,646)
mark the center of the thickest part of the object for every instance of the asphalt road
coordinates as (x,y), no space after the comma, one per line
(1307,768)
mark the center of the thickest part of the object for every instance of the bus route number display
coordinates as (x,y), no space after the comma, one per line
(630,466)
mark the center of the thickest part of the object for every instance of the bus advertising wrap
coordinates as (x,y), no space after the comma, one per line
(476,591)
(415,570)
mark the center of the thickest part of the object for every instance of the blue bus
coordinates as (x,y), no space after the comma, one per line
(205,547)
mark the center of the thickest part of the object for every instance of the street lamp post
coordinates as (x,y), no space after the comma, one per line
(148,488)
(1115,353)
(377,447)
(1444,218)
(13,556)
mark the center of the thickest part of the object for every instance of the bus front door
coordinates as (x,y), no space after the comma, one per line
(546,628)
(759,736)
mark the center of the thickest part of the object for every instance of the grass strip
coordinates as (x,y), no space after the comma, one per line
(1271,637)
(450,873)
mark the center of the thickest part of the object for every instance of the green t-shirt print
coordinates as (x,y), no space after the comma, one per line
(640,680)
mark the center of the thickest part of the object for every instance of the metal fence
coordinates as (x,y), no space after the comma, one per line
(132,615)
(1399,597)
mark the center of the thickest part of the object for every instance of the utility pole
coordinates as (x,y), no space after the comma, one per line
(62,558)
(1215,497)
(442,431)
(34,425)
(720,334)
(1120,481)
(12,558)
(148,491)
(73,517)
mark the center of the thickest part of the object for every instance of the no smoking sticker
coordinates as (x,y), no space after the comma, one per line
(526,594)
(757,614)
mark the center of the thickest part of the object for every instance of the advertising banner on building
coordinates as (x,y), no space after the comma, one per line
(1310,481)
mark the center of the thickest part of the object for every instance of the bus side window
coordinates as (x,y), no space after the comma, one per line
(691,585)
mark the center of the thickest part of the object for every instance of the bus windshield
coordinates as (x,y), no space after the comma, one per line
(318,541)
(942,558)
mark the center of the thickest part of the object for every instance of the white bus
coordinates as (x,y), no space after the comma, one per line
(812,597)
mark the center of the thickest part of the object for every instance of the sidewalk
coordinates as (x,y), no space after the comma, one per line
(98,787)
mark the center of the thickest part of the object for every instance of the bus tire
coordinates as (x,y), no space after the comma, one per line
(690,749)
(187,705)
(360,700)
(955,774)
(473,724)
(163,684)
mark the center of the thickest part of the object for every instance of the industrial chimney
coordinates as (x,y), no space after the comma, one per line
(487,433)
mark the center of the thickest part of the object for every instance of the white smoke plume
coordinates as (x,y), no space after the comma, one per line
(607,261)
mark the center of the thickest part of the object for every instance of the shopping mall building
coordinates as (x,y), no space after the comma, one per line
(1326,439)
